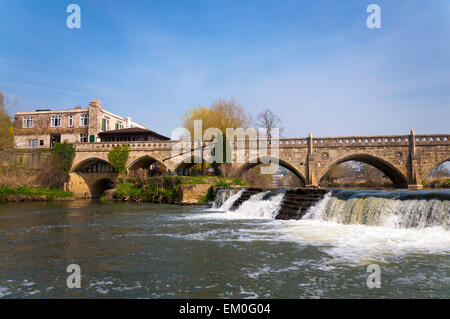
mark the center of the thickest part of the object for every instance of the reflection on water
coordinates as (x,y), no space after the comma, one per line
(164,251)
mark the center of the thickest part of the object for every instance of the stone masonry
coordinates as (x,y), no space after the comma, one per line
(405,159)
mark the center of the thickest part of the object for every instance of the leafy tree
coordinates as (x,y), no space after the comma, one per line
(6,125)
(118,157)
(221,114)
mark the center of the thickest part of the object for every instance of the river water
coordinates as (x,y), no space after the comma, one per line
(142,250)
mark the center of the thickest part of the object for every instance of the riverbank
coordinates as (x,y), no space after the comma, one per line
(29,193)
(170,189)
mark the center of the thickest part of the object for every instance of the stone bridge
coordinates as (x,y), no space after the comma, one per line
(405,159)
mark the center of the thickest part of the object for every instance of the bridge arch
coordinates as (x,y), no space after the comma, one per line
(91,177)
(395,175)
(192,160)
(146,162)
(82,166)
(100,186)
(249,165)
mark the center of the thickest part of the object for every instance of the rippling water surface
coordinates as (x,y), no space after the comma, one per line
(163,251)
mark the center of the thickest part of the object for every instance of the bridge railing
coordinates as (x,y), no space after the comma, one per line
(432,139)
(134,145)
(385,140)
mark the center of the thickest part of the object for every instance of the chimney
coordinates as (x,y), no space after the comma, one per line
(95,102)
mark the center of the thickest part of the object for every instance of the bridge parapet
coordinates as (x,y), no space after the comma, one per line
(432,139)
(385,140)
(135,146)
(382,140)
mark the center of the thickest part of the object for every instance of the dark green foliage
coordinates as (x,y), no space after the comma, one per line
(63,155)
(118,157)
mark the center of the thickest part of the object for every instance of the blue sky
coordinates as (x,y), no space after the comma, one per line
(314,63)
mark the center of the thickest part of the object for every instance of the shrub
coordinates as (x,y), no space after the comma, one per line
(63,155)
(118,157)
(128,189)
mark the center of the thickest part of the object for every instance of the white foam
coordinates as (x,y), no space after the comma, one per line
(362,244)
(228,203)
(254,208)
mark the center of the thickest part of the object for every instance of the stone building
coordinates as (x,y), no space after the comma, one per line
(44,128)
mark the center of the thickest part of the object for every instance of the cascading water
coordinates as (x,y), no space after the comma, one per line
(226,197)
(397,209)
(350,227)
(262,205)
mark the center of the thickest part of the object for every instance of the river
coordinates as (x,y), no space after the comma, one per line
(142,250)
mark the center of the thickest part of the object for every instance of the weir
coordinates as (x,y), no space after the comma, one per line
(393,209)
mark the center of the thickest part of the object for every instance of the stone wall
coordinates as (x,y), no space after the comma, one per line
(191,194)
(19,167)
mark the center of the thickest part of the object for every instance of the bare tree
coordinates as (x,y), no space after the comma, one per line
(440,171)
(268,120)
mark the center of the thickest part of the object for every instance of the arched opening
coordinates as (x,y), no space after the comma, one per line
(194,166)
(362,171)
(100,187)
(439,177)
(94,165)
(148,164)
(284,176)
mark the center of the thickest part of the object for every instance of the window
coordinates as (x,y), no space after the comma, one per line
(83,138)
(33,143)
(119,125)
(55,121)
(70,120)
(28,122)
(105,124)
(84,120)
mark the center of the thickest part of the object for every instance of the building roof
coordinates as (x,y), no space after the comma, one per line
(133,131)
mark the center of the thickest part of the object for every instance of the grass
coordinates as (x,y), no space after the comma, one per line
(128,189)
(168,186)
(33,192)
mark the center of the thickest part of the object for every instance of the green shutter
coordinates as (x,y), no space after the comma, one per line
(117,126)
(91,138)
(103,124)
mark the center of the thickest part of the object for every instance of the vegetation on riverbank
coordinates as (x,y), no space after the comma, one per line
(29,193)
(436,183)
(166,188)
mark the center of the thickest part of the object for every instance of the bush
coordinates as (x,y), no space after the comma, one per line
(128,189)
(63,155)
(446,183)
(118,157)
